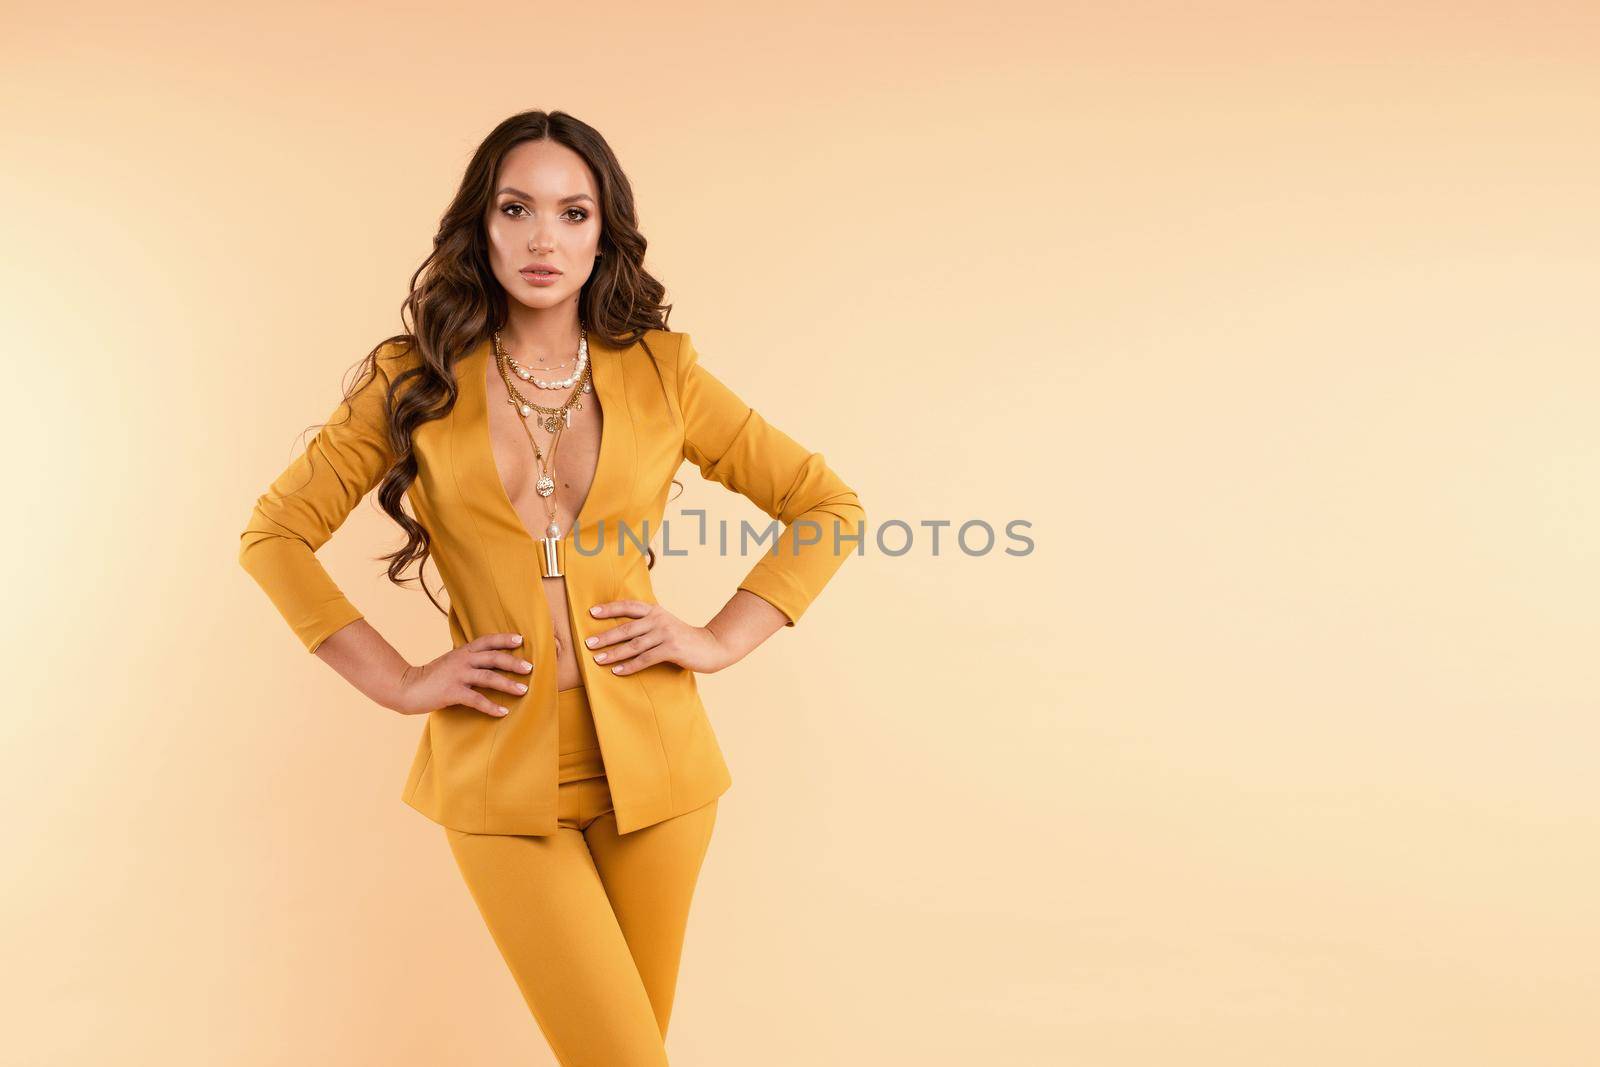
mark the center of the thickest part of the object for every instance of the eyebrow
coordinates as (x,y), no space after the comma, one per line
(563,200)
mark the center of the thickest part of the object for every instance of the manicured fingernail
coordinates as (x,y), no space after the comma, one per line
(594,610)
(592,641)
(600,657)
(527,666)
(521,688)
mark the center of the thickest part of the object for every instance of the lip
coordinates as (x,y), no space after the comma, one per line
(541,279)
(531,267)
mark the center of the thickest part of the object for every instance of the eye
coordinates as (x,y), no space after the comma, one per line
(582,214)
(506,210)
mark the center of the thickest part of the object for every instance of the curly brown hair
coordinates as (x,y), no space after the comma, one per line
(455,301)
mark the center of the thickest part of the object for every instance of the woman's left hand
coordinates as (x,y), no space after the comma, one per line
(652,634)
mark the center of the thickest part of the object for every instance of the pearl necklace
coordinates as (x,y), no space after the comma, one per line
(565,383)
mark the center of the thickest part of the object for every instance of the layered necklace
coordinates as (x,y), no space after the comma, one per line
(553,419)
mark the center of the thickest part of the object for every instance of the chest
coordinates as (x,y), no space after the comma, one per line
(476,486)
(524,449)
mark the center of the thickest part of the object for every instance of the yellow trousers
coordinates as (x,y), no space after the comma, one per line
(590,921)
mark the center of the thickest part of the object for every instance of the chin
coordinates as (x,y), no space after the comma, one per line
(548,297)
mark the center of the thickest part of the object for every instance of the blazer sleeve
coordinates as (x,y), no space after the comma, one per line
(732,444)
(306,503)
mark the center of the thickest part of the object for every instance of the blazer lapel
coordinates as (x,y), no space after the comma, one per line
(612,487)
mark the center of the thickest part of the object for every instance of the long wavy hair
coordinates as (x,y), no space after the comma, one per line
(455,301)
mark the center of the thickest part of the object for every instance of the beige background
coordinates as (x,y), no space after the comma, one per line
(1275,320)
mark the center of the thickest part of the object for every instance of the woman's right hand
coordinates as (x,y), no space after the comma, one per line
(450,679)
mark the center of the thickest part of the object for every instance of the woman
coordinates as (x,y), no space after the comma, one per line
(534,416)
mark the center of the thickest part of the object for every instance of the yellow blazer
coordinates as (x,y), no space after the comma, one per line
(498,775)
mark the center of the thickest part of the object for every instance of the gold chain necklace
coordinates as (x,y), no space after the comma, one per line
(553,419)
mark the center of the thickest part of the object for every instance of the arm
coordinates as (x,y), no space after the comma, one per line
(299,513)
(306,503)
(364,658)
(744,622)
(732,444)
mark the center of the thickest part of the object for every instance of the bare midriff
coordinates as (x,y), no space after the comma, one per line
(577,458)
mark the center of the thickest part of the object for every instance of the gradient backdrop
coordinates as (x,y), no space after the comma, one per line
(1275,320)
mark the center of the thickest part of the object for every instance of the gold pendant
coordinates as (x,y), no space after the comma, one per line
(551,559)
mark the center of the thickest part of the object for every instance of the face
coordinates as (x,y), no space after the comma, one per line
(545,212)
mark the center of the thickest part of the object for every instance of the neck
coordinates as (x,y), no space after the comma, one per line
(549,335)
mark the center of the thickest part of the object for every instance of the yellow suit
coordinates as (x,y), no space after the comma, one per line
(498,775)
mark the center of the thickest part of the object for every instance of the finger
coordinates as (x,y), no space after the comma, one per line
(503,660)
(616,634)
(629,648)
(653,654)
(495,680)
(473,699)
(637,608)
(487,641)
